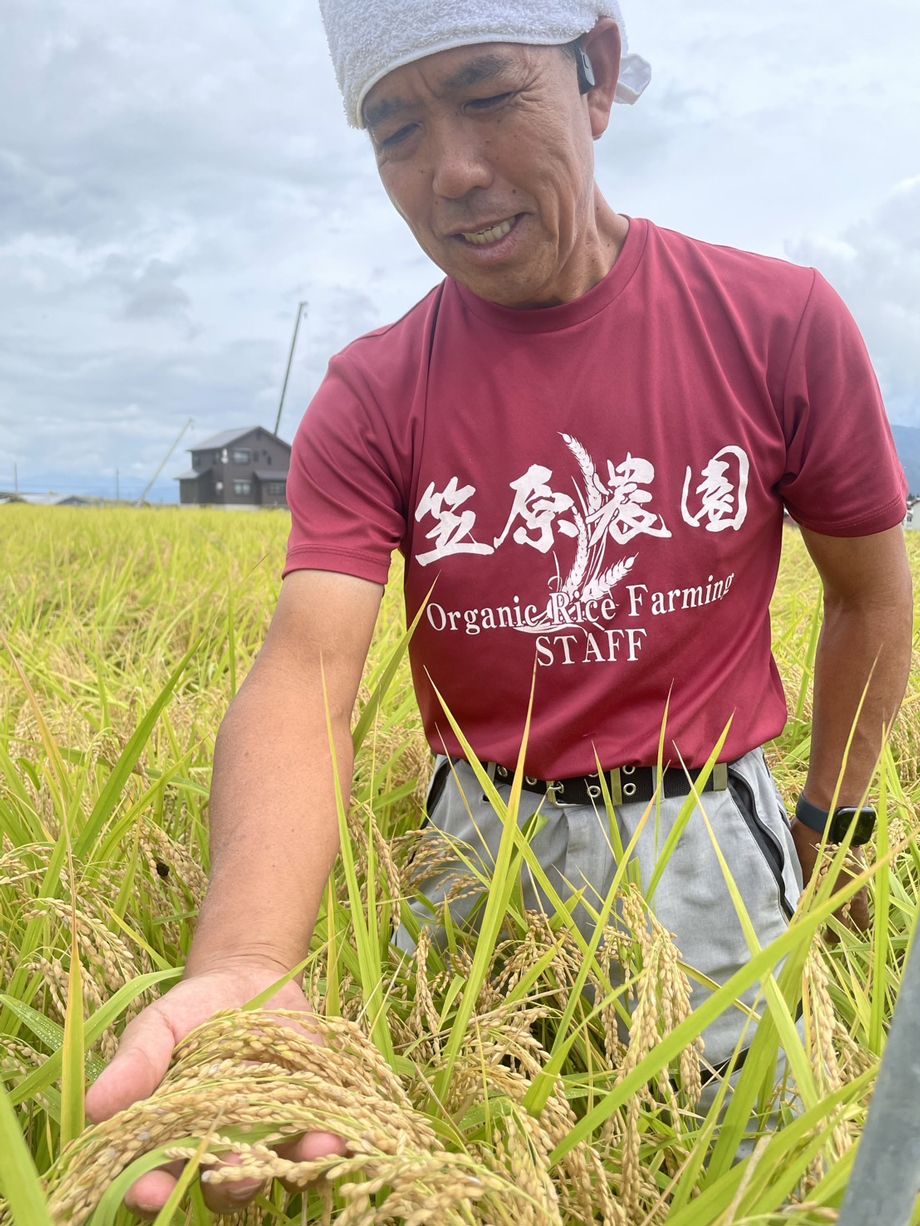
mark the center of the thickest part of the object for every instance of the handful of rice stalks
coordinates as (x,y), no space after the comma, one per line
(247,1080)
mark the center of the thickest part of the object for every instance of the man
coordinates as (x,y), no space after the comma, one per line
(582,441)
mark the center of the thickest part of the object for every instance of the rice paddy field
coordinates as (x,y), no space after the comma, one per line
(489,1081)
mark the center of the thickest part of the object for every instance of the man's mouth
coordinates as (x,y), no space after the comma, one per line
(489,234)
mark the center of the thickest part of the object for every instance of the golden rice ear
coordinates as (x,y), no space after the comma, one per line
(99,613)
(264,1080)
(826,1039)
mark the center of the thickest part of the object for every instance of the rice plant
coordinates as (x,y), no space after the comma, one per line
(503,1076)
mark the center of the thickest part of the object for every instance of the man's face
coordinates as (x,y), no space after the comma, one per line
(487,152)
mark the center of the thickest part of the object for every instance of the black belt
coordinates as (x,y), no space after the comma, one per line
(626,784)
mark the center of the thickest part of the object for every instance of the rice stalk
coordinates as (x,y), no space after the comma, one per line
(547,1087)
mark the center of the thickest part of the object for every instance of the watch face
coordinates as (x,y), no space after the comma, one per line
(862,821)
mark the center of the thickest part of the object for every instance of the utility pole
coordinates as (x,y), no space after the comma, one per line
(301,309)
(117,490)
(15,478)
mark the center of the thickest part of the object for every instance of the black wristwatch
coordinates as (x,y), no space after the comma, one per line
(837,823)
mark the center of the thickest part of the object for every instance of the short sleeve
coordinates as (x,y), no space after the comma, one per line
(343,488)
(843,476)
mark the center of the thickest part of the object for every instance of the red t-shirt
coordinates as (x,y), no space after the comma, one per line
(593,494)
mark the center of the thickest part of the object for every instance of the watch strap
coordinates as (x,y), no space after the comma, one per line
(810,815)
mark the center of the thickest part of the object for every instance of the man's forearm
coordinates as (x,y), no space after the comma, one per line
(856,643)
(273,824)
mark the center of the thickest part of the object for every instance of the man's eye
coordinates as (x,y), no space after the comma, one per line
(485,104)
(398,137)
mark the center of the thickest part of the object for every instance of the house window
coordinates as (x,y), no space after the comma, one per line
(242,487)
(273,489)
(241,456)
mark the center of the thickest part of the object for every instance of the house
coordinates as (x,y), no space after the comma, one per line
(245,467)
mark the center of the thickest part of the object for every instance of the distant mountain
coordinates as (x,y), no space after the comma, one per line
(907,440)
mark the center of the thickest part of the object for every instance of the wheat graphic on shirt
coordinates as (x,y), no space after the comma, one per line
(589,577)
(590,560)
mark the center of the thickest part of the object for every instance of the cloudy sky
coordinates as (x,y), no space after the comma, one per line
(175,177)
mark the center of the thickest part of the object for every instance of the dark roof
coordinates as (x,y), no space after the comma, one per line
(270,474)
(224,439)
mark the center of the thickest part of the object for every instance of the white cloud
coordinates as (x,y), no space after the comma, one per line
(154,292)
(174,178)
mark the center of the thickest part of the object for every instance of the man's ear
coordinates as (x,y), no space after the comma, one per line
(602,46)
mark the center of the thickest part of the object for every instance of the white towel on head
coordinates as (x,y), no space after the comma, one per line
(369,38)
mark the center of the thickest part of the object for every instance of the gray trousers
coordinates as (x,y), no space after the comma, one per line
(691,899)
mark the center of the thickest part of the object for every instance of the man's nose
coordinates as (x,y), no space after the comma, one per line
(460,163)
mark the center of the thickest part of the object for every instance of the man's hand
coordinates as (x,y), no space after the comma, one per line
(144,1055)
(855,914)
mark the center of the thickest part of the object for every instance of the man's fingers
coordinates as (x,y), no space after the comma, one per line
(313,1145)
(151,1192)
(136,1069)
(856,914)
(861,911)
(227,1197)
(307,1148)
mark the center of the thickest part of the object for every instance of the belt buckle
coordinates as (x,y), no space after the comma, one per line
(552,787)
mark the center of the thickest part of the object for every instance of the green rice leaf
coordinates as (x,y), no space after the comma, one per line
(52,1035)
(45,1030)
(497,899)
(19,1181)
(183,1183)
(384,680)
(112,793)
(368,951)
(687,809)
(73,1089)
